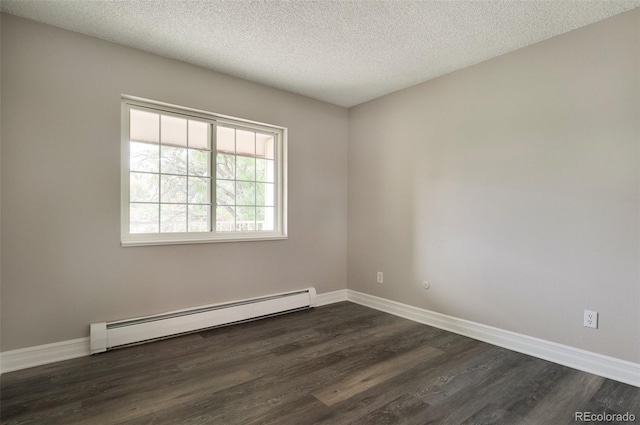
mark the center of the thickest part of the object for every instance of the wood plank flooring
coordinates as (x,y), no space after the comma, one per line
(337,364)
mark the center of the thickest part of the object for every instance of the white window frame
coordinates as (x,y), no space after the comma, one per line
(143,239)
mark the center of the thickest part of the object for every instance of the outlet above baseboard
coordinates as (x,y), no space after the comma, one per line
(590,319)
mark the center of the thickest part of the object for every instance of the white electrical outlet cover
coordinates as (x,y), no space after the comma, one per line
(591,319)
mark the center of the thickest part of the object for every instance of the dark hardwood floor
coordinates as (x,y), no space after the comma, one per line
(338,364)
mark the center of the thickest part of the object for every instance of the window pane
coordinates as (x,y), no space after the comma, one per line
(173,189)
(198,218)
(173,160)
(245,142)
(199,135)
(265,218)
(225,166)
(265,170)
(225,192)
(174,130)
(264,145)
(144,126)
(245,168)
(144,157)
(143,218)
(226,140)
(245,219)
(265,194)
(173,218)
(225,219)
(143,187)
(245,193)
(198,163)
(199,190)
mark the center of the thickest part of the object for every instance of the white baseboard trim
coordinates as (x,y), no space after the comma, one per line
(43,354)
(598,364)
(331,297)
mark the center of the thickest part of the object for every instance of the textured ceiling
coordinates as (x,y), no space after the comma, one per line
(342,52)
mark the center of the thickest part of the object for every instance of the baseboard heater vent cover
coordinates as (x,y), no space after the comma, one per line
(106,335)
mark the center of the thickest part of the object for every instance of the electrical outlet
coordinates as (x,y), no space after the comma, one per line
(591,319)
(380,277)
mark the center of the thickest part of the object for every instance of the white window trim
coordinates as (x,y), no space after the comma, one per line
(144,239)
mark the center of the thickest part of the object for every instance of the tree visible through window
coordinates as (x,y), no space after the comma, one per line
(245,179)
(194,174)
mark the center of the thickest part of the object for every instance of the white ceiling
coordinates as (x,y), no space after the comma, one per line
(342,52)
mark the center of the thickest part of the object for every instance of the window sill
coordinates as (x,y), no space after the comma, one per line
(182,239)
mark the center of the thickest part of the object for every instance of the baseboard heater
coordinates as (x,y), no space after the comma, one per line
(107,335)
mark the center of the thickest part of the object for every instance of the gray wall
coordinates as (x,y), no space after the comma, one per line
(62,264)
(513,188)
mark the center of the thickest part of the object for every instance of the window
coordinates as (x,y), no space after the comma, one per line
(190,177)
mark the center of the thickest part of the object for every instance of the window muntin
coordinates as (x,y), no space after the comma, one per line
(197,177)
